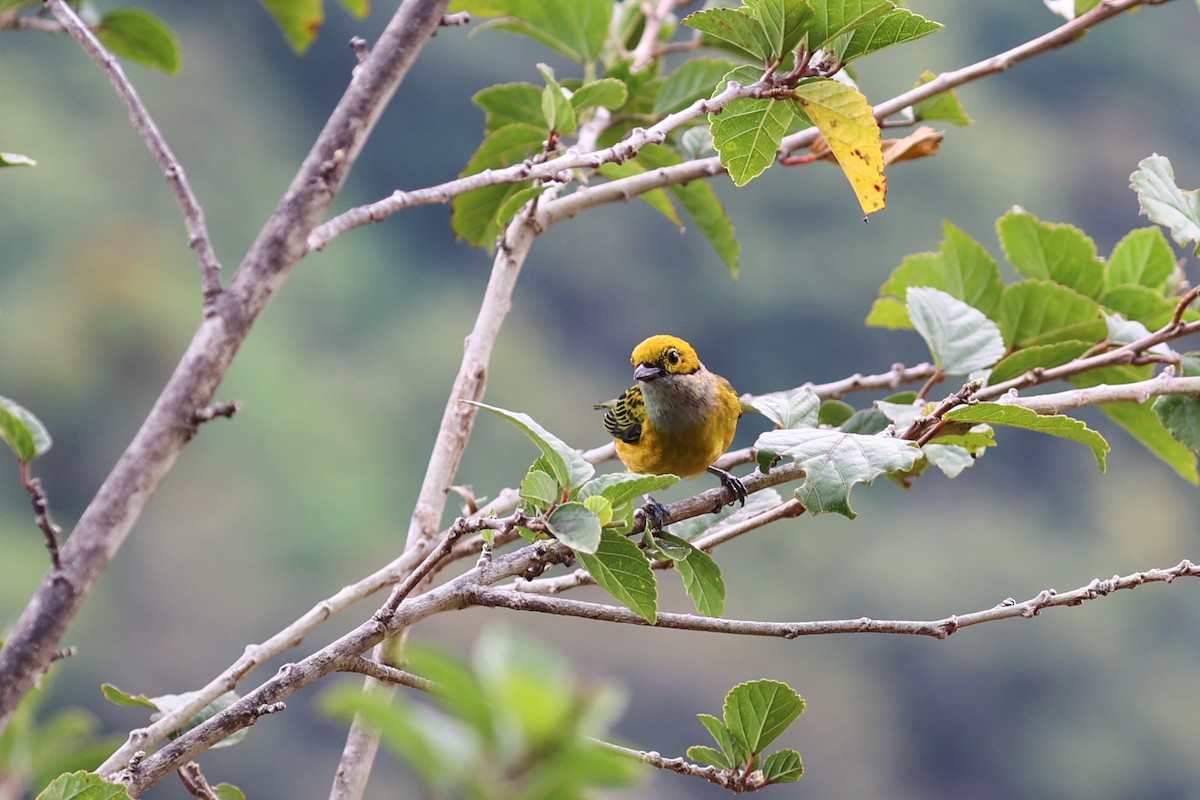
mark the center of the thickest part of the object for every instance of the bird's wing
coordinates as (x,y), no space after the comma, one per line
(625,415)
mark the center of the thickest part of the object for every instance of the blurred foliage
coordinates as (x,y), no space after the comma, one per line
(344,377)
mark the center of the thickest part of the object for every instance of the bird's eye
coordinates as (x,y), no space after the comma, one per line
(672,356)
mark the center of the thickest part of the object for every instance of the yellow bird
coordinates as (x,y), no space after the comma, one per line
(678,418)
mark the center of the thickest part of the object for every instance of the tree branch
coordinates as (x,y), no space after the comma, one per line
(143,123)
(477,595)
(158,443)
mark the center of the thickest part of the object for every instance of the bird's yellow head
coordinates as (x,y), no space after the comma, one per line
(664,355)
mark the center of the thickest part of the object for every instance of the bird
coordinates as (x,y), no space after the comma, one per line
(678,417)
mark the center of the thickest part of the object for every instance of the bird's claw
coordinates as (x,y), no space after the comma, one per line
(655,513)
(733,484)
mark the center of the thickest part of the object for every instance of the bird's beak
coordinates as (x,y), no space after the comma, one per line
(647,372)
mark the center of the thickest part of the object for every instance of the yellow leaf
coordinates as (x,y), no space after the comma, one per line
(847,122)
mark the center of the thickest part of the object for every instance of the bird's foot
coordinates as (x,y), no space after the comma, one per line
(733,484)
(655,513)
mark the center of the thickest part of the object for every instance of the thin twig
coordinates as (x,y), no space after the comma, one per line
(41,514)
(143,123)
(388,674)
(937,629)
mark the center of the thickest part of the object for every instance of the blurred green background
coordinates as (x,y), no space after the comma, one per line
(344,377)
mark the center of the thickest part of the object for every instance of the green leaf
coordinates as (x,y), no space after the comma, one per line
(1142,423)
(1141,258)
(621,569)
(622,487)
(1181,416)
(834,413)
(605,93)
(298,20)
(167,703)
(540,488)
(576,526)
(841,17)
(1042,356)
(474,213)
(943,107)
(737,26)
(961,339)
(747,135)
(700,201)
(1011,416)
(557,110)
(758,711)
(22,431)
(121,698)
(574,28)
(509,103)
(734,754)
(83,786)
(567,466)
(16,160)
(1042,312)
(783,23)
(227,791)
(515,201)
(783,766)
(897,26)
(1045,251)
(834,461)
(602,507)
(846,120)
(970,273)
(708,756)
(358,9)
(701,576)
(950,459)
(1165,203)
(792,408)
(694,80)
(1140,303)
(140,37)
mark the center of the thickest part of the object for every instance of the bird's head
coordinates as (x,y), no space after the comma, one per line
(664,355)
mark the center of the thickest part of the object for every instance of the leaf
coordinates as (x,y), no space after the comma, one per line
(1040,312)
(16,160)
(834,461)
(474,213)
(695,80)
(557,110)
(22,431)
(758,711)
(950,459)
(83,786)
(1043,356)
(847,122)
(620,568)
(605,93)
(540,488)
(700,201)
(834,19)
(227,791)
(896,26)
(515,201)
(1142,423)
(1012,416)
(299,20)
(793,408)
(140,37)
(701,576)
(508,103)
(924,142)
(121,698)
(708,756)
(576,526)
(834,413)
(1139,303)
(943,107)
(734,754)
(1165,203)
(783,766)
(961,339)
(737,26)
(567,466)
(167,703)
(747,135)
(574,28)
(622,487)
(1045,251)
(1181,416)
(783,23)
(1141,258)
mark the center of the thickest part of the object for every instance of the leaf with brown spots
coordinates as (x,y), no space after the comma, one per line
(846,121)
